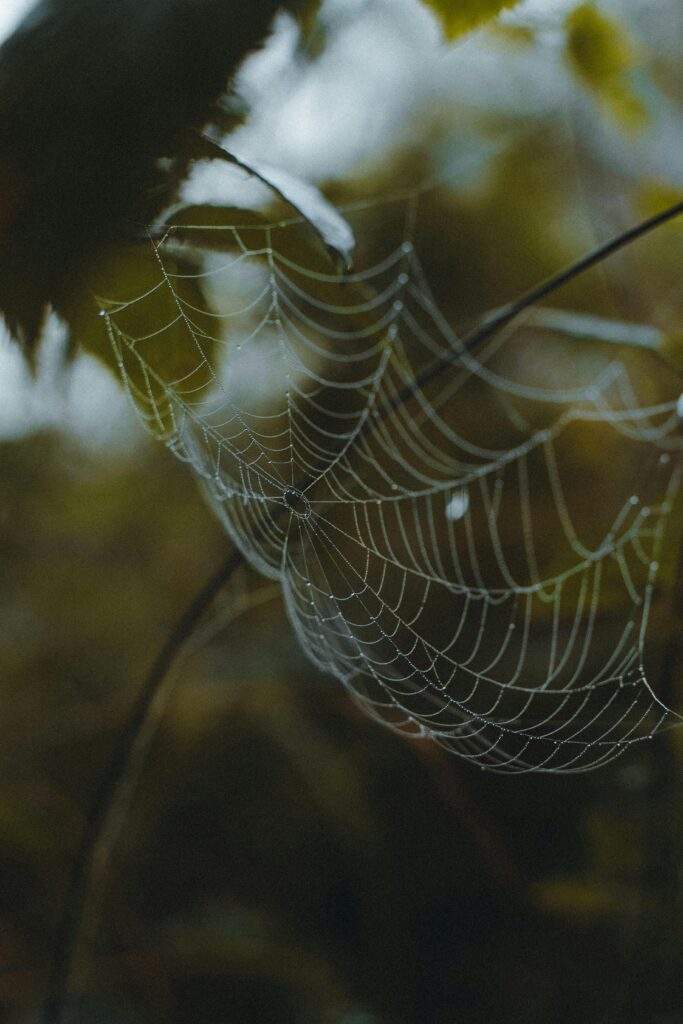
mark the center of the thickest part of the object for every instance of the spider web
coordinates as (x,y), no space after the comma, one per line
(476,558)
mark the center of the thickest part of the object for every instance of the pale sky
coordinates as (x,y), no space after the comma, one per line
(11,13)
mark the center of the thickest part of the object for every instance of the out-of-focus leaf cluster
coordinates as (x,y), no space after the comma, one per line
(458,18)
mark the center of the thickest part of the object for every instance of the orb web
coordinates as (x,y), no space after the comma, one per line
(476,557)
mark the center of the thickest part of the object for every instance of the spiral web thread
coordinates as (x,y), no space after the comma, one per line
(477,562)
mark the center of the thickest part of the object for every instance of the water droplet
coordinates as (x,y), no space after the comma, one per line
(457,504)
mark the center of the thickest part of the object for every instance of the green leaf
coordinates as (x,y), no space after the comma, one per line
(327,223)
(172,347)
(460,16)
(603,56)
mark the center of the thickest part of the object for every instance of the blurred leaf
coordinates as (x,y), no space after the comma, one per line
(36,820)
(586,899)
(460,16)
(603,56)
(657,195)
(671,349)
(334,232)
(80,153)
(170,338)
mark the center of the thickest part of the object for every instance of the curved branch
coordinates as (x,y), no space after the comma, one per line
(85,863)
(84,868)
(506,314)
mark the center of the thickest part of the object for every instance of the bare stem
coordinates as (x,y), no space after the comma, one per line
(506,314)
(84,866)
(96,827)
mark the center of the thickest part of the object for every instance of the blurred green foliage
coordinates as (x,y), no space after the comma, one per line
(459,17)
(604,57)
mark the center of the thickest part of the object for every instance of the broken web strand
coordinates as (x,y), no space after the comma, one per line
(369,555)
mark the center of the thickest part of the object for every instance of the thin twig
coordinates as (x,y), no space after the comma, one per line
(506,314)
(83,870)
(84,865)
